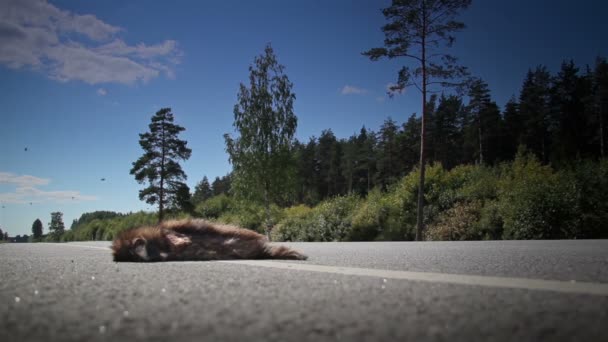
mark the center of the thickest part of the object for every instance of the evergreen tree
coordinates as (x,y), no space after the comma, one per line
(183,199)
(349,162)
(447,137)
(485,123)
(600,103)
(365,166)
(534,110)
(307,170)
(202,191)
(159,165)
(416,29)
(56,227)
(514,128)
(389,154)
(567,120)
(266,124)
(1,235)
(37,229)
(328,159)
(221,185)
(410,142)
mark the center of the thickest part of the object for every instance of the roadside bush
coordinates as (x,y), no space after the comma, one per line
(535,202)
(331,219)
(250,215)
(456,223)
(215,206)
(591,180)
(295,225)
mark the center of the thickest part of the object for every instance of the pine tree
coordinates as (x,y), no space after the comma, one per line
(307,172)
(159,166)
(600,101)
(328,158)
(534,110)
(221,185)
(567,119)
(416,29)
(514,128)
(202,191)
(37,229)
(485,122)
(389,154)
(365,161)
(447,137)
(264,118)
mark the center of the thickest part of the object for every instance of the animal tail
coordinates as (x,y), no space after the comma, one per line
(282,252)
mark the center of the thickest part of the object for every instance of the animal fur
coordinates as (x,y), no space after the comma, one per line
(179,240)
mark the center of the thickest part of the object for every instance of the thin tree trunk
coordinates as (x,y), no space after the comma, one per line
(601,132)
(420,212)
(161,195)
(479,132)
(267,210)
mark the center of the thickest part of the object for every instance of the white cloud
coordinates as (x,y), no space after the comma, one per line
(24,181)
(348,90)
(27,191)
(102,92)
(380,99)
(71,47)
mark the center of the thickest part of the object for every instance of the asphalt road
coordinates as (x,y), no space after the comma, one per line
(398,291)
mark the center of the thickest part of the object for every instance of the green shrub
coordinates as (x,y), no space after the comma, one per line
(592,195)
(250,215)
(456,223)
(535,202)
(331,219)
(295,225)
(215,206)
(328,221)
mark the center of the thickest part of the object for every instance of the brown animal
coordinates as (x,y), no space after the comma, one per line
(195,240)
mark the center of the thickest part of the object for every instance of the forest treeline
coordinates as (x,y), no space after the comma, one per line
(536,169)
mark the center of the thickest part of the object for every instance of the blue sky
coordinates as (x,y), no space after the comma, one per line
(79,80)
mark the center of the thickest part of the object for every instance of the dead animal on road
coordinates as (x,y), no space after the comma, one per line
(181,240)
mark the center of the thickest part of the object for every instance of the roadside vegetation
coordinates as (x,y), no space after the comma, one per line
(522,199)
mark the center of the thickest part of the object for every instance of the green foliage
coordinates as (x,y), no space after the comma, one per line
(202,191)
(591,180)
(215,206)
(37,229)
(107,228)
(56,226)
(159,166)
(295,225)
(96,215)
(456,223)
(519,200)
(331,219)
(535,202)
(377,217)
(250,215)
(261,155)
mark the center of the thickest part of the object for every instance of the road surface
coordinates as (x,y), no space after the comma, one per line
(368,291)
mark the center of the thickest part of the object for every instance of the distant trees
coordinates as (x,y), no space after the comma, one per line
(415,30)
(202,191)
(37,229)
(159,165)
(266,123)
(1,235)
(56,226)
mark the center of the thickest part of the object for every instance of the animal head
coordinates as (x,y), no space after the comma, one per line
(146,244)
